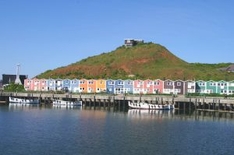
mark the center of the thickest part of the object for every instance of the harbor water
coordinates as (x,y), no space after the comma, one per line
(27,130)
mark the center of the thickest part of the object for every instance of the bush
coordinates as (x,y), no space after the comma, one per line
(12,87)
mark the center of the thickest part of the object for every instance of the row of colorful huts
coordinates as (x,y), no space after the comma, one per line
(119,86)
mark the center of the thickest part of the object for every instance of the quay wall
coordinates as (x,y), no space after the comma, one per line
(181,102)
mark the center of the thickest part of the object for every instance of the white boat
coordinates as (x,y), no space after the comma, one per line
(139,105)
(23,101)
(62,103)
(144,105)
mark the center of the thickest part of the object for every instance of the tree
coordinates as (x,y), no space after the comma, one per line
(14,87)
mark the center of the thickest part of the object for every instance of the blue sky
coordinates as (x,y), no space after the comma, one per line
(47,34)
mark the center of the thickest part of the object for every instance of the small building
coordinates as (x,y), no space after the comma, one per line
(66,85)
(35,84)
(148,86)
(168,87)
(138,87)
(189,86)
(222,87)
(9,78)
(83,85)
(75,86)
(110,86)
(158,86)
(201,86)
(128,86)
(230,87)
(58,84)
(211,87)
(119,87)
(100,86)
(91,86)
(132,42)
(179,87)
(51,84)
(230,68)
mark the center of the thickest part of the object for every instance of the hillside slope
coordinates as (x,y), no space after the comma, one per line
(144,61)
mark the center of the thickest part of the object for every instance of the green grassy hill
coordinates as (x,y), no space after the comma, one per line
(144,61)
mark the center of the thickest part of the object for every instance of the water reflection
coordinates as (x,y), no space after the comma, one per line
(22,106)
(66,107)
(174,114)
(18,106)
(136,113)
(205,115)
(181,115)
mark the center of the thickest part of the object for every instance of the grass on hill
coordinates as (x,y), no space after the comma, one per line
(144,61)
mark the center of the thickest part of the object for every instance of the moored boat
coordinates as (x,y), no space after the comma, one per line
(138,105)
(62,103)
(144,105)
(23,101)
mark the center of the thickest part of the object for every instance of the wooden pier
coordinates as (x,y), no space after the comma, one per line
(120,101)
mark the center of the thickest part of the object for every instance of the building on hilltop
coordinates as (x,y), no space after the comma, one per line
(132,42)
(230,68)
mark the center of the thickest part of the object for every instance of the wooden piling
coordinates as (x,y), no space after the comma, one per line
(190,102)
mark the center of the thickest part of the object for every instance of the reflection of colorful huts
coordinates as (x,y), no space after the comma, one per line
(100,85)
(138,87)
(128,85)
(158,86)
(110,86)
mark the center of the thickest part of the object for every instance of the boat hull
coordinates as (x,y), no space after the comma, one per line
(143,105)
(23,101)
(62,103)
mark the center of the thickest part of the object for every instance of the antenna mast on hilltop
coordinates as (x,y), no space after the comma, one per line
(17,80)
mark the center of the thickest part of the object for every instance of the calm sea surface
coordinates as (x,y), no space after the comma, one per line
(28,130)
